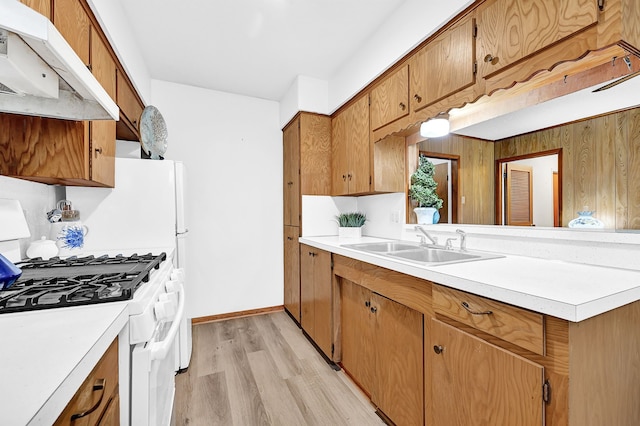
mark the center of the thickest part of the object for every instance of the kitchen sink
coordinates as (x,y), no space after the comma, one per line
(384,247)
(423,255)
(433,255)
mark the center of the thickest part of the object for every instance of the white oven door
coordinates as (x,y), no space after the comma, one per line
(153,373)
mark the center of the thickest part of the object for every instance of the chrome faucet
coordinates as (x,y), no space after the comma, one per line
(463,239)
(448,245)
(434,240)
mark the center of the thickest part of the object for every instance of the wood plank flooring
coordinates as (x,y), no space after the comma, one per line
(261,370)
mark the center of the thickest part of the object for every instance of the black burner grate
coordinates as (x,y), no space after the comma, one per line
(74,281)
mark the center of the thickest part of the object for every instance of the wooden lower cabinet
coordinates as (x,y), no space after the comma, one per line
(315,297)
(382,349)
(292,271)
(97,400)
(477,383)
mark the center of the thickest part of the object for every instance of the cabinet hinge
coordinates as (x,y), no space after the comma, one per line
(331,263)
(546,392)
(333,349)
(601,5)
(475,31)
(370,180)
(475,68)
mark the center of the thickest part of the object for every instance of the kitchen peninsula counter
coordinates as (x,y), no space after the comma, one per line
(46,355)
(566,290)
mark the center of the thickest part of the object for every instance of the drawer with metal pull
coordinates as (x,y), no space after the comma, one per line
(512,324)
(95,396)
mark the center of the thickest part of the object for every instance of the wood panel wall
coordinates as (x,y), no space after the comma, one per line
(600,165)
(476,170)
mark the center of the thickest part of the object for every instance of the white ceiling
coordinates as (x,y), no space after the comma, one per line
(251,47)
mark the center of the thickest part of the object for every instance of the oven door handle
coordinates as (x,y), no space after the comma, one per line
(158,350)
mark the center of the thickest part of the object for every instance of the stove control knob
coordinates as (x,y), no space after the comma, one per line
(178,275)
(171,286)
(171,297)
(164,310)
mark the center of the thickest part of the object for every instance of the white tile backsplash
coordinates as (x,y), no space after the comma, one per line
(385,214)
(319,213)
(382,210)
(36,200)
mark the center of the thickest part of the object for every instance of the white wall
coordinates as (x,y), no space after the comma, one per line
(232,148)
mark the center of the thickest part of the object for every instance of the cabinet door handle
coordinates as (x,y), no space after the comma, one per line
(99,385)
(438,349)
(374,309)
(98,151)
(418,98)
(344,177)
(367,303)
(465,305)
(402,106)
(490,59)
(289,238)
(349,176)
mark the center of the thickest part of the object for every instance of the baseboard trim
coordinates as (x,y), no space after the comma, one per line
(239,314)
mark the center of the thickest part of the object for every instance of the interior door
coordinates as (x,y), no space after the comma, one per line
(441,175)
(519,195)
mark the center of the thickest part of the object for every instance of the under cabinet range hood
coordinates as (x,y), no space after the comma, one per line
(41,75)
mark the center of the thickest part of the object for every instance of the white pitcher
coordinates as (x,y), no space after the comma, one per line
(69,237)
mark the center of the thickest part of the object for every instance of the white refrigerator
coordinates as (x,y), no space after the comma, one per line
(145,212)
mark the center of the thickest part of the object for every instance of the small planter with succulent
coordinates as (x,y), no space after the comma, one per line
(423,192)
(350,224)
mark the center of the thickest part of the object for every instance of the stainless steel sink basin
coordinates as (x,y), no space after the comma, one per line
(423,255)
(384,247)
(433,255)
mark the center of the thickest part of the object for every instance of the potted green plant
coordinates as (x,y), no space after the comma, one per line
(350,224)
(423,191)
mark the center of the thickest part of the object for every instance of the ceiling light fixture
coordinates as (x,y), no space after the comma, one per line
(435,127)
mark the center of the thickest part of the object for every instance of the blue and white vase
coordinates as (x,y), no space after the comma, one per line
(69,237)
(425,215)
(585,219)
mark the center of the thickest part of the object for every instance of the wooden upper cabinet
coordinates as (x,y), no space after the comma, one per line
(510,30)
(102,134)
(307,161)
(130,108)
(390,99)
(291,173)
(102,64)
(350,162)
(71,19)
(444,66)
(315,154)
(43,7)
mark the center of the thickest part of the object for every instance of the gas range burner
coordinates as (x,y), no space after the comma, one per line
(56,262)
(77,281)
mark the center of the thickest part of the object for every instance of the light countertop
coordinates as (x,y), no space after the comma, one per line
(47,354)
(566,290)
